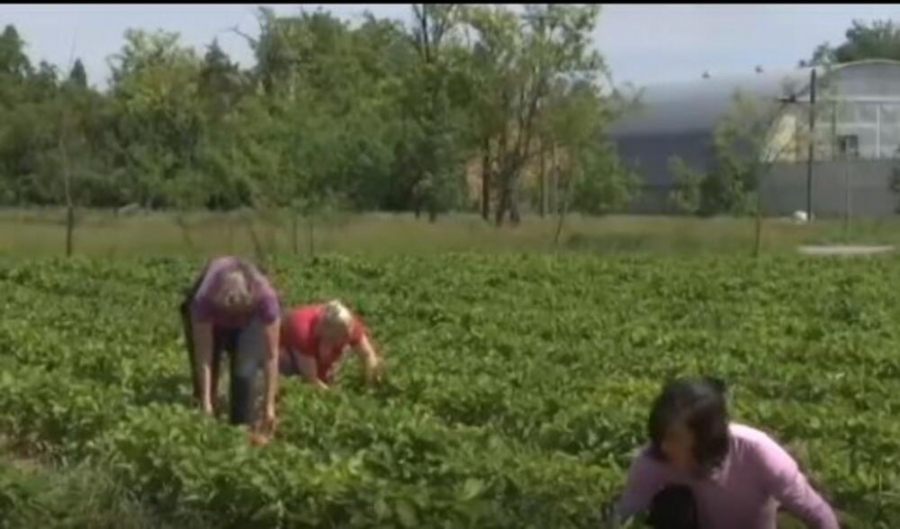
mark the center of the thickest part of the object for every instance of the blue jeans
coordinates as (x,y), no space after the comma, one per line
(246,348)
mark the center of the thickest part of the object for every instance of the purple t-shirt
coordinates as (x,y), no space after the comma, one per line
(205,310)
(743,493)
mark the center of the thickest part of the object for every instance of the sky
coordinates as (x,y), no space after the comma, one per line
(643,44)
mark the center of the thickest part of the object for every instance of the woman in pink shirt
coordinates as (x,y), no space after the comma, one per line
(233,308)
(701,471)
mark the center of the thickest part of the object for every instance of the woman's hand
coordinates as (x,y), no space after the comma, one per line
(269,420)
(263,433)
(371,361)
(259,439)
(265,428)
(309,370)
(377,370)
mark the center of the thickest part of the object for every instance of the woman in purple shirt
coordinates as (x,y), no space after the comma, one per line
(701,471)
(232,308)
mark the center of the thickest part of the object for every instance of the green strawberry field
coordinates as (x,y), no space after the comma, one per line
(517,387)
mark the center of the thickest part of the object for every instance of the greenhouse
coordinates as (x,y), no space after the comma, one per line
(855,121)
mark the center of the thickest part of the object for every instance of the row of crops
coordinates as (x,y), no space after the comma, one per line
(517,389)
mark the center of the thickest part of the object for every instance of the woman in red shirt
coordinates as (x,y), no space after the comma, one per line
(314,337)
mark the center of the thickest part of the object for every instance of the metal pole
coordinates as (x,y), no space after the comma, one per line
(810,155)
(878,130)
(847,192)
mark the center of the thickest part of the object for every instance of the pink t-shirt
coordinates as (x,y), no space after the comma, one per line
(743,493)
(205,310)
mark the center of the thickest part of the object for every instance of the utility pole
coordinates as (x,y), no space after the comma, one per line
(812,143)
(846,189)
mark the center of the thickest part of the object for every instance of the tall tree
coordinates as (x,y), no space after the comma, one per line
(375,115)
(434,97)
(157,123)
(15,68)
(43,82)
(28,117)
(77,75)
(340,89)
(13,60)
(520,57)
(221,82)
(577,115)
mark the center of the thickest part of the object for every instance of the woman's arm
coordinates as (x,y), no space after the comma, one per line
(203,344)
(273,331)
(269,313)
(787,484)
(369,357)
(645,478)
(309,370)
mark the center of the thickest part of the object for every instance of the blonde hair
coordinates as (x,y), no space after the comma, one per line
(337,316)
(234,289)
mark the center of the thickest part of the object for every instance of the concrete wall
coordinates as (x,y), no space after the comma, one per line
(650,155)
(784,189)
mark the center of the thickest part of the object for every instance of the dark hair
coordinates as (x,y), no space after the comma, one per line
(700,403)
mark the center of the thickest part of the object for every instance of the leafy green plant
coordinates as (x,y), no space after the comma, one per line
(490,417)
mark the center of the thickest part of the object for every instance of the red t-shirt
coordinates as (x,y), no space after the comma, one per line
(299,335)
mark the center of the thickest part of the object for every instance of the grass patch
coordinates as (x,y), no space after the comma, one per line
(102,234)
(37,493)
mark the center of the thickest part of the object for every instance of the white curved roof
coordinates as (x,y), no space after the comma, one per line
(696,106)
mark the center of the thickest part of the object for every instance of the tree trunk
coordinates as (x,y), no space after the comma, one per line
(565,207)
(185,232)
(230,223)
(555,164)
(486,180)
(503,204)
(502,178)
(417,198)
(295,242)
(561,221)
(67,184)
(70,229)
(543,182)
(312,235)
(757,235)
(254,239)
(431,203)
(514,215)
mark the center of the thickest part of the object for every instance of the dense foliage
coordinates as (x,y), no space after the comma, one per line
(517,387)
(742,150)
(879,39)
(373,115)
